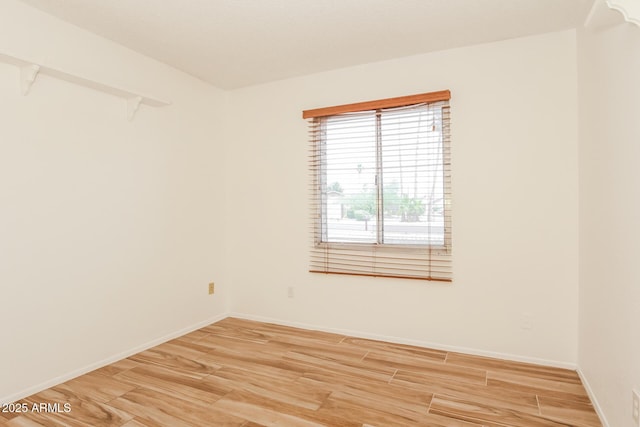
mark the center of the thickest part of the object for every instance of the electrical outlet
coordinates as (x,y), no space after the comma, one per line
(290,292)
(635,411)
(211,288)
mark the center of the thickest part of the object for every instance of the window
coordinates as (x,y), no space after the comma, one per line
(381,188)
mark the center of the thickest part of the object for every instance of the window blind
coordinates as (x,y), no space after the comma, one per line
(380,196)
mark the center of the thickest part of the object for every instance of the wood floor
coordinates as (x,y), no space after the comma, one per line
(243,373)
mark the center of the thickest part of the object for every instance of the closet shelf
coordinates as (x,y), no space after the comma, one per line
(29,71)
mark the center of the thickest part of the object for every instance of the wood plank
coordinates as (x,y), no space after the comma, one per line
(163,380)
(95,386)
(239,333)
(263,410)
(194,336)
(303,335)
(172,410)
(253,361)
(400,349)
(519,368)
(156,356)
(540,386)
(467,410)
(581,414)
(322,364)
(138,422)
(439,373)
(21,421)
(480,394)
(117,367)
(84,411)
(276,388)
(400,396)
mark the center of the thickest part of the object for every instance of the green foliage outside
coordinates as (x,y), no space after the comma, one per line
(335,187)
(362,206)
(411,209)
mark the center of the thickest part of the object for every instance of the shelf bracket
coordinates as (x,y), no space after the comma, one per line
(132,106)
(28,74)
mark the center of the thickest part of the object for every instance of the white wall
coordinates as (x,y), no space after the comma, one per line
(515,205)
(609,131)
(109,229)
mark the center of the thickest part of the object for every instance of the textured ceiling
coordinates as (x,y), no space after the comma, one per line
(236,43)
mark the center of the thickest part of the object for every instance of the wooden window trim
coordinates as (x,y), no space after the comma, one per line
(401,101)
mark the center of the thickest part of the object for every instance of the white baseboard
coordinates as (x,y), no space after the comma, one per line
(417,343)
(109,360)
(592,396)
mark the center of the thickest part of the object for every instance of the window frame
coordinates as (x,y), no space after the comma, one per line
(320,217)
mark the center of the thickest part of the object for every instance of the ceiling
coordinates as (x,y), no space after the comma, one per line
(237,43)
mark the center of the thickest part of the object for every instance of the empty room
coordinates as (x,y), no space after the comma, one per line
(319,213)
